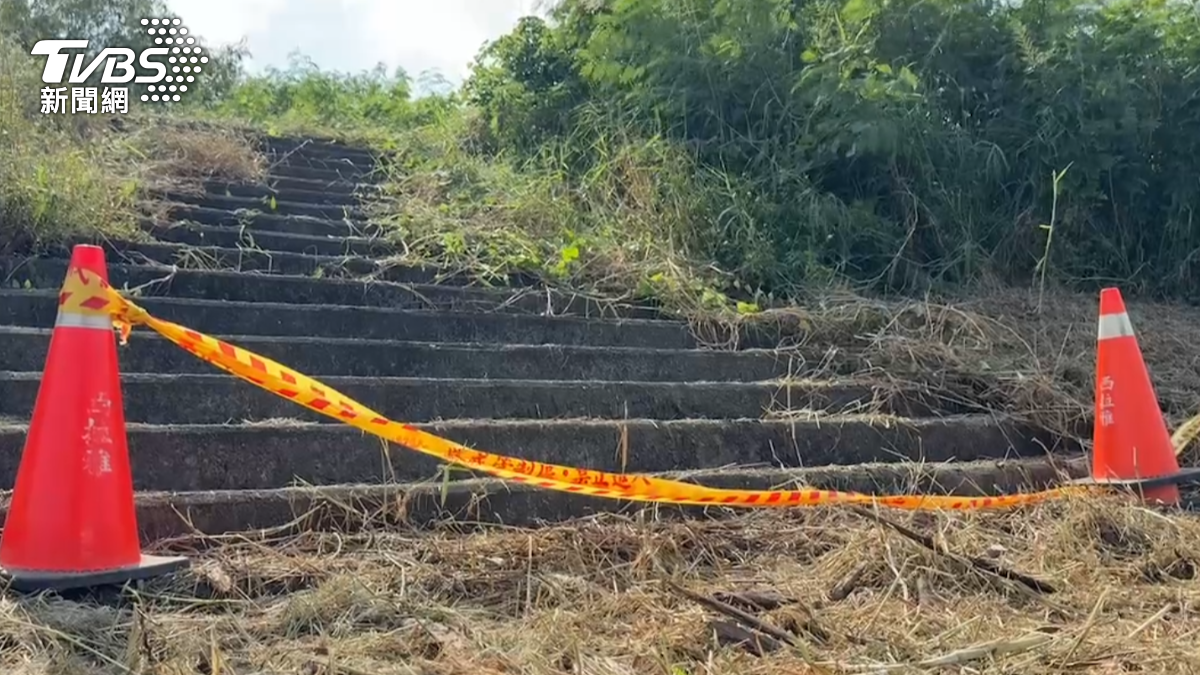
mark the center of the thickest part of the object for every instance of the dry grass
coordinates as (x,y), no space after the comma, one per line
(599,596)
(94,182)
(180,156)
(990,352)
(1007,350)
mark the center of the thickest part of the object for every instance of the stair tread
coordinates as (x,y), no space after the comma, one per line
(276,425)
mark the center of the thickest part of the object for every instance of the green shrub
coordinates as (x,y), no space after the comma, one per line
(905,144)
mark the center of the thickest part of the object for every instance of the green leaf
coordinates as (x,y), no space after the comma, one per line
(856,11)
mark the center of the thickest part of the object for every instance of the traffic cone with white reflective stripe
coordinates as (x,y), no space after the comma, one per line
(1131,445)
(71,522)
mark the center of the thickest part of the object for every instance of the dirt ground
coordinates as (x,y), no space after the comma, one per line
(1089,586)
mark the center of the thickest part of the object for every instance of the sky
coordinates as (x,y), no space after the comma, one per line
(355,35)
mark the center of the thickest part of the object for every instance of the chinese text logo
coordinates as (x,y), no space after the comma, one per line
(170,79)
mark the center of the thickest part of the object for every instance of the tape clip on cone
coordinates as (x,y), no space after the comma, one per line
(71,522)
(1131,445)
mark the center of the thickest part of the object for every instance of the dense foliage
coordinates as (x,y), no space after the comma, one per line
(901,141)
(907,144)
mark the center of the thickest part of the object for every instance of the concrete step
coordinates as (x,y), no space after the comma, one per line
(241,257)
(37,309)
(217,398)
(316,143)
(258,192)
(197,234)
(336,212)
(205,257)
(261,220)
(163,255)
(25,350)
(187,457)
(321,161)
(260,261)
(337,186)
(310,149)
(47,273)
(163,515)
(347,172)
(422,400)
(248,259)
(280,145)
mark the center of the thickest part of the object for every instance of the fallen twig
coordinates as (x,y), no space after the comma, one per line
(735,613)
(761,600)
(1087,627)
(994,648)
(752,621)
(730,634)
(849,583)
(769,600)
(980,564)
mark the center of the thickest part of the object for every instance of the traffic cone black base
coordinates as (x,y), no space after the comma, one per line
(31,581)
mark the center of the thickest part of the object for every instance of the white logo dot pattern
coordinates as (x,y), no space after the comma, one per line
(169,32)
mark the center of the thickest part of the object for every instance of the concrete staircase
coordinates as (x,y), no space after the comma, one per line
(294,271)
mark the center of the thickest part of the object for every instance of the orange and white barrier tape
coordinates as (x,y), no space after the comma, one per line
(311,394)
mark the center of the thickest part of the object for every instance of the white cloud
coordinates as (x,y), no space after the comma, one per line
(226,21)
(354,35)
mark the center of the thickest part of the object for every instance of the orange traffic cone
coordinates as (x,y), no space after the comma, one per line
(1131,445)
(71,522)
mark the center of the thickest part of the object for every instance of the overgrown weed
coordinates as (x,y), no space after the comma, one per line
(54,184)
(625,232)
(70,178)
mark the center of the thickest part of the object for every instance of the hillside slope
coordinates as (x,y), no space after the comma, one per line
(293,270)
(986,395)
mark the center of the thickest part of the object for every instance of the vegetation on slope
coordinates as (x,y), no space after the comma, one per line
(909,145)
(71,177)
(687,151)
(719,156)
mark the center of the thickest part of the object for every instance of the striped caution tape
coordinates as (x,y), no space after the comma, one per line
(79,306)
(311,394)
